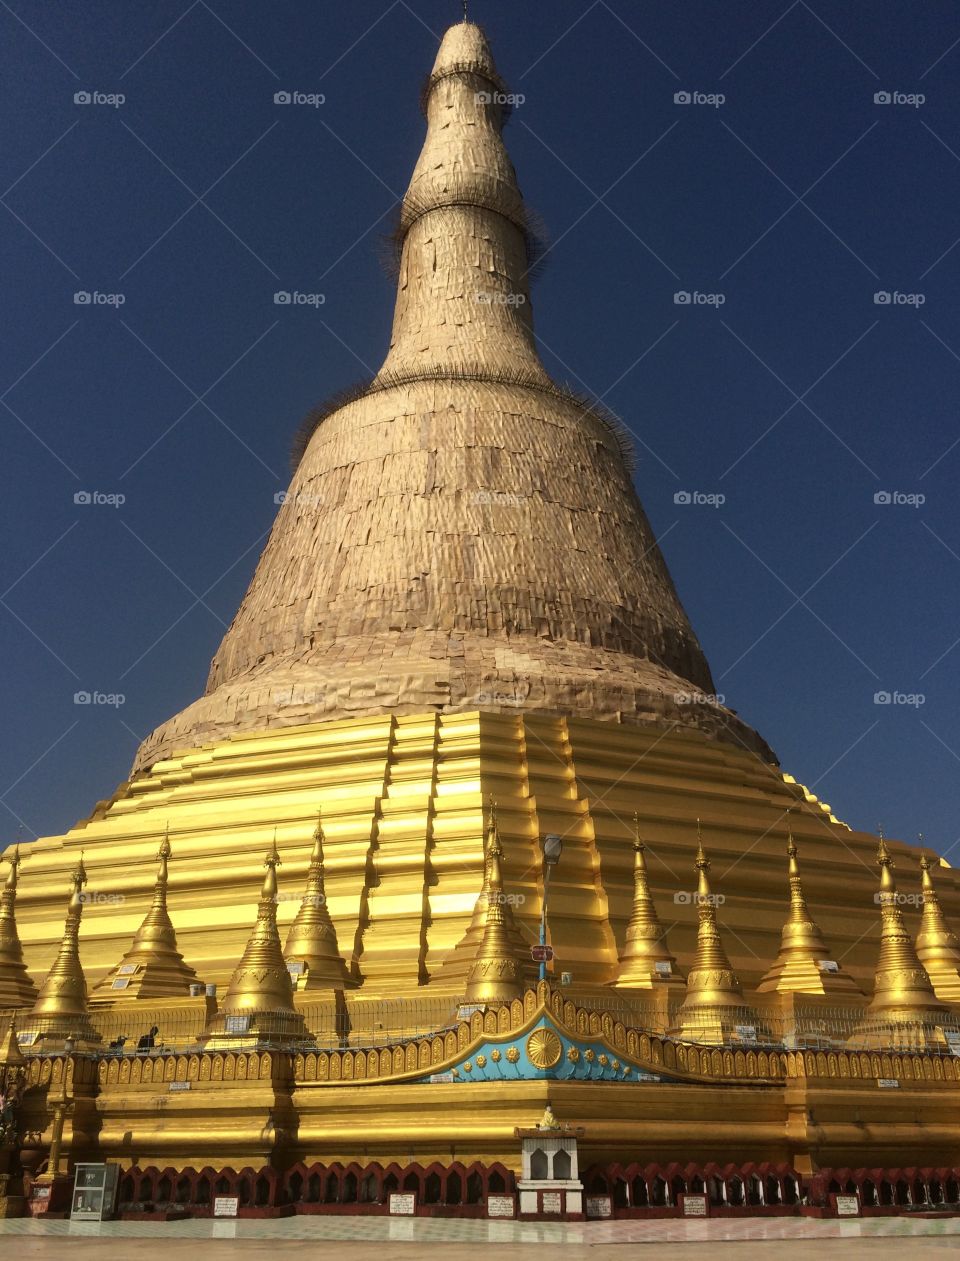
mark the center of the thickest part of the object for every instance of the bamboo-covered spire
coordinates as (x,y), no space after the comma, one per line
(902,989)
(714,1006)
(496,974)
(16,987)
(312,937)
(61,1011)
(153,967)
(800,965)
(463,298)
(645,946)
(937,946)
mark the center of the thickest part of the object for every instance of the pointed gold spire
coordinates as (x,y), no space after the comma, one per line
(259,1000)
(60,1011)
(937,946)
(645,959)
(714,1006)
(153,967)
(10,1054)
(312,938)
(496,975)
(904,1009)
(16,987)
(799,967)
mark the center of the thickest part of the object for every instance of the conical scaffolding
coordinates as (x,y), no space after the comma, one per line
(434,553)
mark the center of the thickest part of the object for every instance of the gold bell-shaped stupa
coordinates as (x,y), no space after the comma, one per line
(804,965)
(16,987)
(312,953)
(496,974)
(153,967)
(258,1005)
(904,1010)
(713,1009)
(645,960)
(937,946)
(60,1013)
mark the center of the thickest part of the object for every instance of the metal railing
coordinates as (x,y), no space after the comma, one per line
(354,1022)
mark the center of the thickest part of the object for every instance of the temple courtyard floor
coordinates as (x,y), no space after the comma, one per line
(386,1239)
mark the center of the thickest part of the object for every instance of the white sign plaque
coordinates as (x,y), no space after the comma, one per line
(403,1205)
(500,1206)
(694,1206)
(848,1206)
(552,1202)
(226,1205)
(599,1206)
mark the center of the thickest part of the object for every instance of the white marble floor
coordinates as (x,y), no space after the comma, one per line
(383,1238)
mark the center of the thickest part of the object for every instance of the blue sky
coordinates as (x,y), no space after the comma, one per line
(798,398)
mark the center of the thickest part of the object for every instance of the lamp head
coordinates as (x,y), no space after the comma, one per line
(552,848)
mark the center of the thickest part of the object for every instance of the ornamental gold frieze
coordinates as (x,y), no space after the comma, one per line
(213,1068)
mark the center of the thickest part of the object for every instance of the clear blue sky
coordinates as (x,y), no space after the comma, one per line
(798,399)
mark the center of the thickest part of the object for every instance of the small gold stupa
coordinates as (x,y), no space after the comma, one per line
(258,1003)
(60,1013)
(497,972)
(714,1008)
(153,967)
(937,946)
(311,946)
(804,964)
(645,960)
(16,987)
(904,1008)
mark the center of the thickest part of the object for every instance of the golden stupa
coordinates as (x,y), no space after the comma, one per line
(462,600)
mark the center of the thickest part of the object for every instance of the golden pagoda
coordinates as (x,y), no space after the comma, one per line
(713,1009)
(904,1008)
(937,946)
(804,965)
(16,987)
(258,1004)
(498,970)
(311,951)
(10,1054)
(462,598)
(60,1014)
(646,962)
(153,967)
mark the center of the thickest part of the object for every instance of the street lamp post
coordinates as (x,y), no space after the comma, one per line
(552,847)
